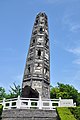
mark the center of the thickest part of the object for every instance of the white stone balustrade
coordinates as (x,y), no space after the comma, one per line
(37,103)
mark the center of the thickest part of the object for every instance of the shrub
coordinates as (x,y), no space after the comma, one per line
(1,108)
(65,114)
(76,112)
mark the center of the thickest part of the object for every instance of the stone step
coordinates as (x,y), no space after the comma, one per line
(29,114)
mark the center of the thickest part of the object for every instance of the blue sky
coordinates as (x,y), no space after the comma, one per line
(16,23)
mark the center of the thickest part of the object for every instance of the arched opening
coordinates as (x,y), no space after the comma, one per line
(36,21)
(28,92)
(41,29)
(42,14)
(29,69)
(39,53)
(33,40)
(38,64)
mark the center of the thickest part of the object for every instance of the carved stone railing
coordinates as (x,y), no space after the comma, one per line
(36,103)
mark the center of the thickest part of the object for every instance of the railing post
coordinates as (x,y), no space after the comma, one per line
(29,103)
(10,105)
(3,103)
(59,104)
(50,104)
(40,102)
(18,102)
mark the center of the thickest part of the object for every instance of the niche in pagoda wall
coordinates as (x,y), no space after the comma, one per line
(39,53)
(38,68)
(33,41)
(28,69)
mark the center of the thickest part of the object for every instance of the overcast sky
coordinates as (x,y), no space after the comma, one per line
(16,23)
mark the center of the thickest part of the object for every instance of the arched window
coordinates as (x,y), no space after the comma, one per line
(36,21)
(42,14)
(41,30)
(38,64)
(45,22)
(39,53)
(29,68)
(33,40)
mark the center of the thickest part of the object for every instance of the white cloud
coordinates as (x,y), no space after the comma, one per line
(75,28)
(70,22)
(77,61)
(75,51)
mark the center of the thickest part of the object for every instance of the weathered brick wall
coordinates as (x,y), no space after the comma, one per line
(24,114)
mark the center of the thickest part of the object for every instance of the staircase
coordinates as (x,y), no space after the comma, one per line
(29,114)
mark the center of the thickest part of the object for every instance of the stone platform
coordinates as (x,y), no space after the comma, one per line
(29,114)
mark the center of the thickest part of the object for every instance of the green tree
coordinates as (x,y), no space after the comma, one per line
(65,91)
(1,108)
(78,100)
(14,91)
(2,93)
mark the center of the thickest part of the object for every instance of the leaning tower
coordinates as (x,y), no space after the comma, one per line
(37,69)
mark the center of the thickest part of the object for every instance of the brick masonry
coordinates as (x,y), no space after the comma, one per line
(37,67)
(29,114)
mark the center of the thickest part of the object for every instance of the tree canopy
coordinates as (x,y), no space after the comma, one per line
(13,92)
(2,93)
(65,91)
